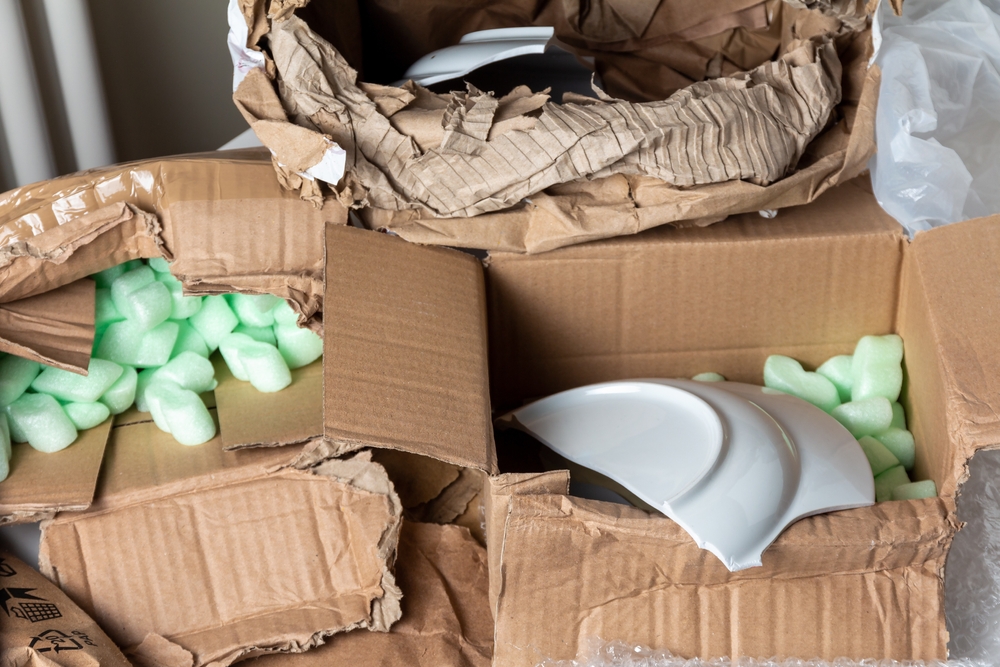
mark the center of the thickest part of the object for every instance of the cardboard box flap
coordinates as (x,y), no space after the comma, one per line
(55,328)
(955,271)
(227,554)
(641,579)
(223,219)
(42,627)
(40,484)
(250,418)
(405,349)
(677,302)
(446,621)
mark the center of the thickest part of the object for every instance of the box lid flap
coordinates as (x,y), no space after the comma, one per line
(957,271)
(41,484)
(55,328)
(405,349)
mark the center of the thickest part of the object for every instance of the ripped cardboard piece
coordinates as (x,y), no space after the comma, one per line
(783,105)
(43,628)
(446,620)
(222,218)
(54,328)
(227,555)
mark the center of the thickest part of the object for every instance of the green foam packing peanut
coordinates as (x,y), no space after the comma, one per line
(86,415)
(16,375)
(708,377)
(230,348)
(259,334)
(898,416)
(246,308)
(71,387)
(787,375)
(181,307)
(876,368)
(265,367)
(298,347)
(159,265)
(915,490)
(105,311)
(107,276)
(879,457)
(838,371)
(141,384)
(189,371)
(283,314)
(121,395)
(886,481)
(140,298)
(900,443)
(125,343)
(189,340)
(214,321)
(180,412)
(865,417)
(41,422)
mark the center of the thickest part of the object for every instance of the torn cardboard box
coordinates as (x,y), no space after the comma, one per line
(43,628)
(422,164)
(446,620)
(227,225)
(196,556)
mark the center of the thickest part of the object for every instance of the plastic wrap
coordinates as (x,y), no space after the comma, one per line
(938,118)
(972,572)
(621,654)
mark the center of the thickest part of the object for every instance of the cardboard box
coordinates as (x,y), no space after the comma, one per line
(793,117)
(42,627)
(422,346)
(446,619)
(228,226)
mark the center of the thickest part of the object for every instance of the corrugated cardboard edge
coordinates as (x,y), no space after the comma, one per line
(359,472)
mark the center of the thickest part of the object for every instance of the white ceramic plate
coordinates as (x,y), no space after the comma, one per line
(733,464)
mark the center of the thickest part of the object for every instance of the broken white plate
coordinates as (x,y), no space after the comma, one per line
(733,464)
(477,49)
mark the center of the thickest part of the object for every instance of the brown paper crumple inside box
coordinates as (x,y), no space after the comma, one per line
(41,627)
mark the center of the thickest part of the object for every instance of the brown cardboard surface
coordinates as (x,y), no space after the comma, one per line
(677,302)
(223,219)
(212,556)
(956,268)
(855,584)
(40,484)
(752,126)
(404,349)
(41,626)
(446,621)
(250,418)
(55,328)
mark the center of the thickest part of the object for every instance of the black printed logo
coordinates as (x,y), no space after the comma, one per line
(58,641)
(20,603)
(6,569)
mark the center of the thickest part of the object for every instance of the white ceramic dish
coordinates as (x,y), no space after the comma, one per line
(477,49)
(733,464)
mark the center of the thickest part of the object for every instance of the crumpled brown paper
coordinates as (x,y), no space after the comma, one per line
(753,127)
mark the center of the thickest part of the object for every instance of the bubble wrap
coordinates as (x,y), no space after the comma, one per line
(972,572)
(620,654)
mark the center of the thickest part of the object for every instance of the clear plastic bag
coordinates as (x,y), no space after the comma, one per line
(938,120)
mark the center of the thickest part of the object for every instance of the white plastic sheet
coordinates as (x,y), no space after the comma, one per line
(938,120)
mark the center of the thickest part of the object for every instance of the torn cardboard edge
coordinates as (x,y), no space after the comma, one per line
(223,220)
(54,328)
(144,470)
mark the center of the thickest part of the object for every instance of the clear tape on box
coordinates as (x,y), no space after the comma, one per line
(598,653)
(937,121)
